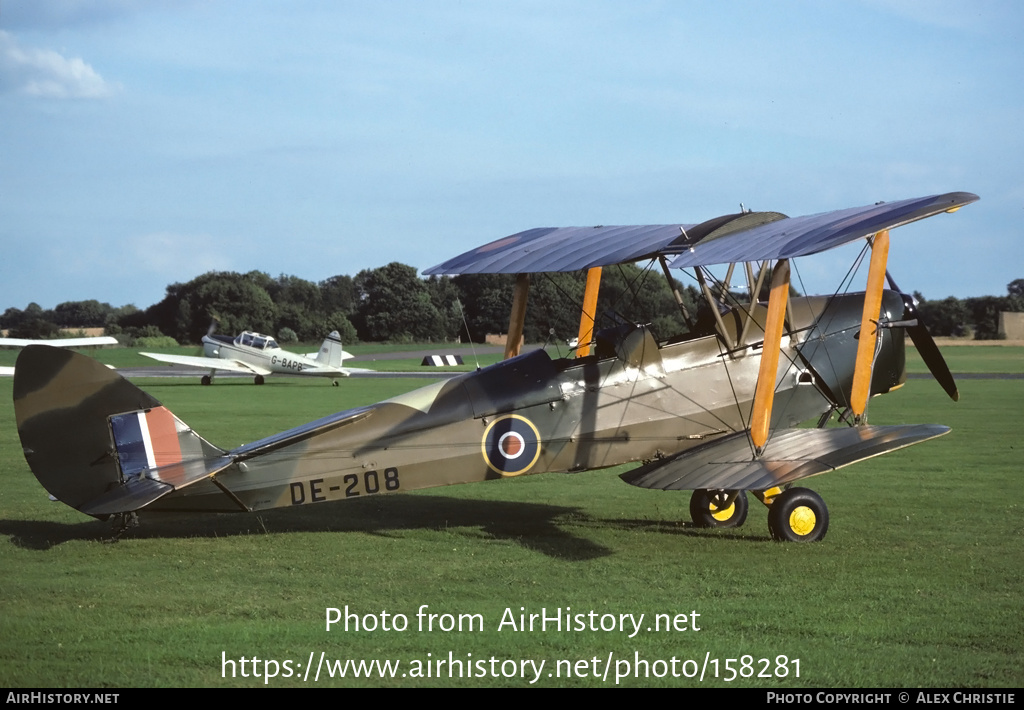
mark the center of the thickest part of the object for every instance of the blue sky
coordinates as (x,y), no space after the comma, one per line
(145,143)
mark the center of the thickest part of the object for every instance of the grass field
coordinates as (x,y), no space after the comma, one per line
(918,583)
(121,357)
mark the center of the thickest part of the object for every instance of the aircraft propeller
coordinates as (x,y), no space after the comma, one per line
(925,344)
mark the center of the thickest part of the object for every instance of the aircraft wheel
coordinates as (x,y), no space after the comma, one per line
(798,515)
(258,379)
(707,510)
(335,383)
(206,380)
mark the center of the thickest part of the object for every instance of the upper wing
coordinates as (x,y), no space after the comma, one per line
(562,249)
(210,363)
(740,237)
(810,234)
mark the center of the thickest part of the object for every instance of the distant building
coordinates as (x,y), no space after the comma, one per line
(1011,326)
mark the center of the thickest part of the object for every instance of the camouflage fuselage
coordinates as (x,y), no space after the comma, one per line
(634,400)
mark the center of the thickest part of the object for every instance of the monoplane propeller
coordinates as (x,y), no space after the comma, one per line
(209,332)
(925,344)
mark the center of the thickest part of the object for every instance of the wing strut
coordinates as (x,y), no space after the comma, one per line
(869,326)
(515,324)
(589,312)
(764,394)
(713,304)
(672,285)
(754,290)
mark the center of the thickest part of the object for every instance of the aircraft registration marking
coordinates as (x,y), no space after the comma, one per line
(368,483)
(287,363)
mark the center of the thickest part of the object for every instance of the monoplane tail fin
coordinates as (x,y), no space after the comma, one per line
(331,353)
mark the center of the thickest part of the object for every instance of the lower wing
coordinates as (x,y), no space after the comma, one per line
(791,454)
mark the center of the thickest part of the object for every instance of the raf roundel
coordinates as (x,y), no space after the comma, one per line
(511,445)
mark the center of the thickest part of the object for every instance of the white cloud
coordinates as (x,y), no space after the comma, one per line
(48,74)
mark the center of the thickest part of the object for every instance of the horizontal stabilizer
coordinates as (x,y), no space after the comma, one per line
(791,454)
(300,433)
(139,491)
(133,495)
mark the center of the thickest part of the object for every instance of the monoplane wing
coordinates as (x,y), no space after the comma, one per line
(210,363)
(59,342)
(791,454)
(746,236)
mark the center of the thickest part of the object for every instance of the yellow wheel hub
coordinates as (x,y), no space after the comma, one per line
(724,514)
(802,520)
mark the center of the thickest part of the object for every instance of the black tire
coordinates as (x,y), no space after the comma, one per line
(706,509)
(258,379)
(798,515)
(206,380)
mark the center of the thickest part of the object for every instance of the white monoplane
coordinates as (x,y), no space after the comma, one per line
(259,355)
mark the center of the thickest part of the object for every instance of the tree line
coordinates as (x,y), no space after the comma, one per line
(392,303)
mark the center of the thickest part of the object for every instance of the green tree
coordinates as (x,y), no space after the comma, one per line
(487,302)
(82,314)
(554,307)
(394,305)
(32,323)
(444,296)
(985,315)
(338,294)
(236,301)
(948,317)
(1015,290)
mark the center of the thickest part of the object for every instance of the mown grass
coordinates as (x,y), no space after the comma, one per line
(917,584)
(974,359)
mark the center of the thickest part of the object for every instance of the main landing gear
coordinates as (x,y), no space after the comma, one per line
(797,515)
(718,509)
(794,515)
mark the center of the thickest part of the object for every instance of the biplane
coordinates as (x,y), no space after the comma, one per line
(251,353)
(716,410)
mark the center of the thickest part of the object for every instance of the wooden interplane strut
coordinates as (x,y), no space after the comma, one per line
(514,341)
(764,393)
(589,312)
(869,326)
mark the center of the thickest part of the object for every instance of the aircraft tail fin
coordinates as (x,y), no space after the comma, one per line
(331,353)
(97,442)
